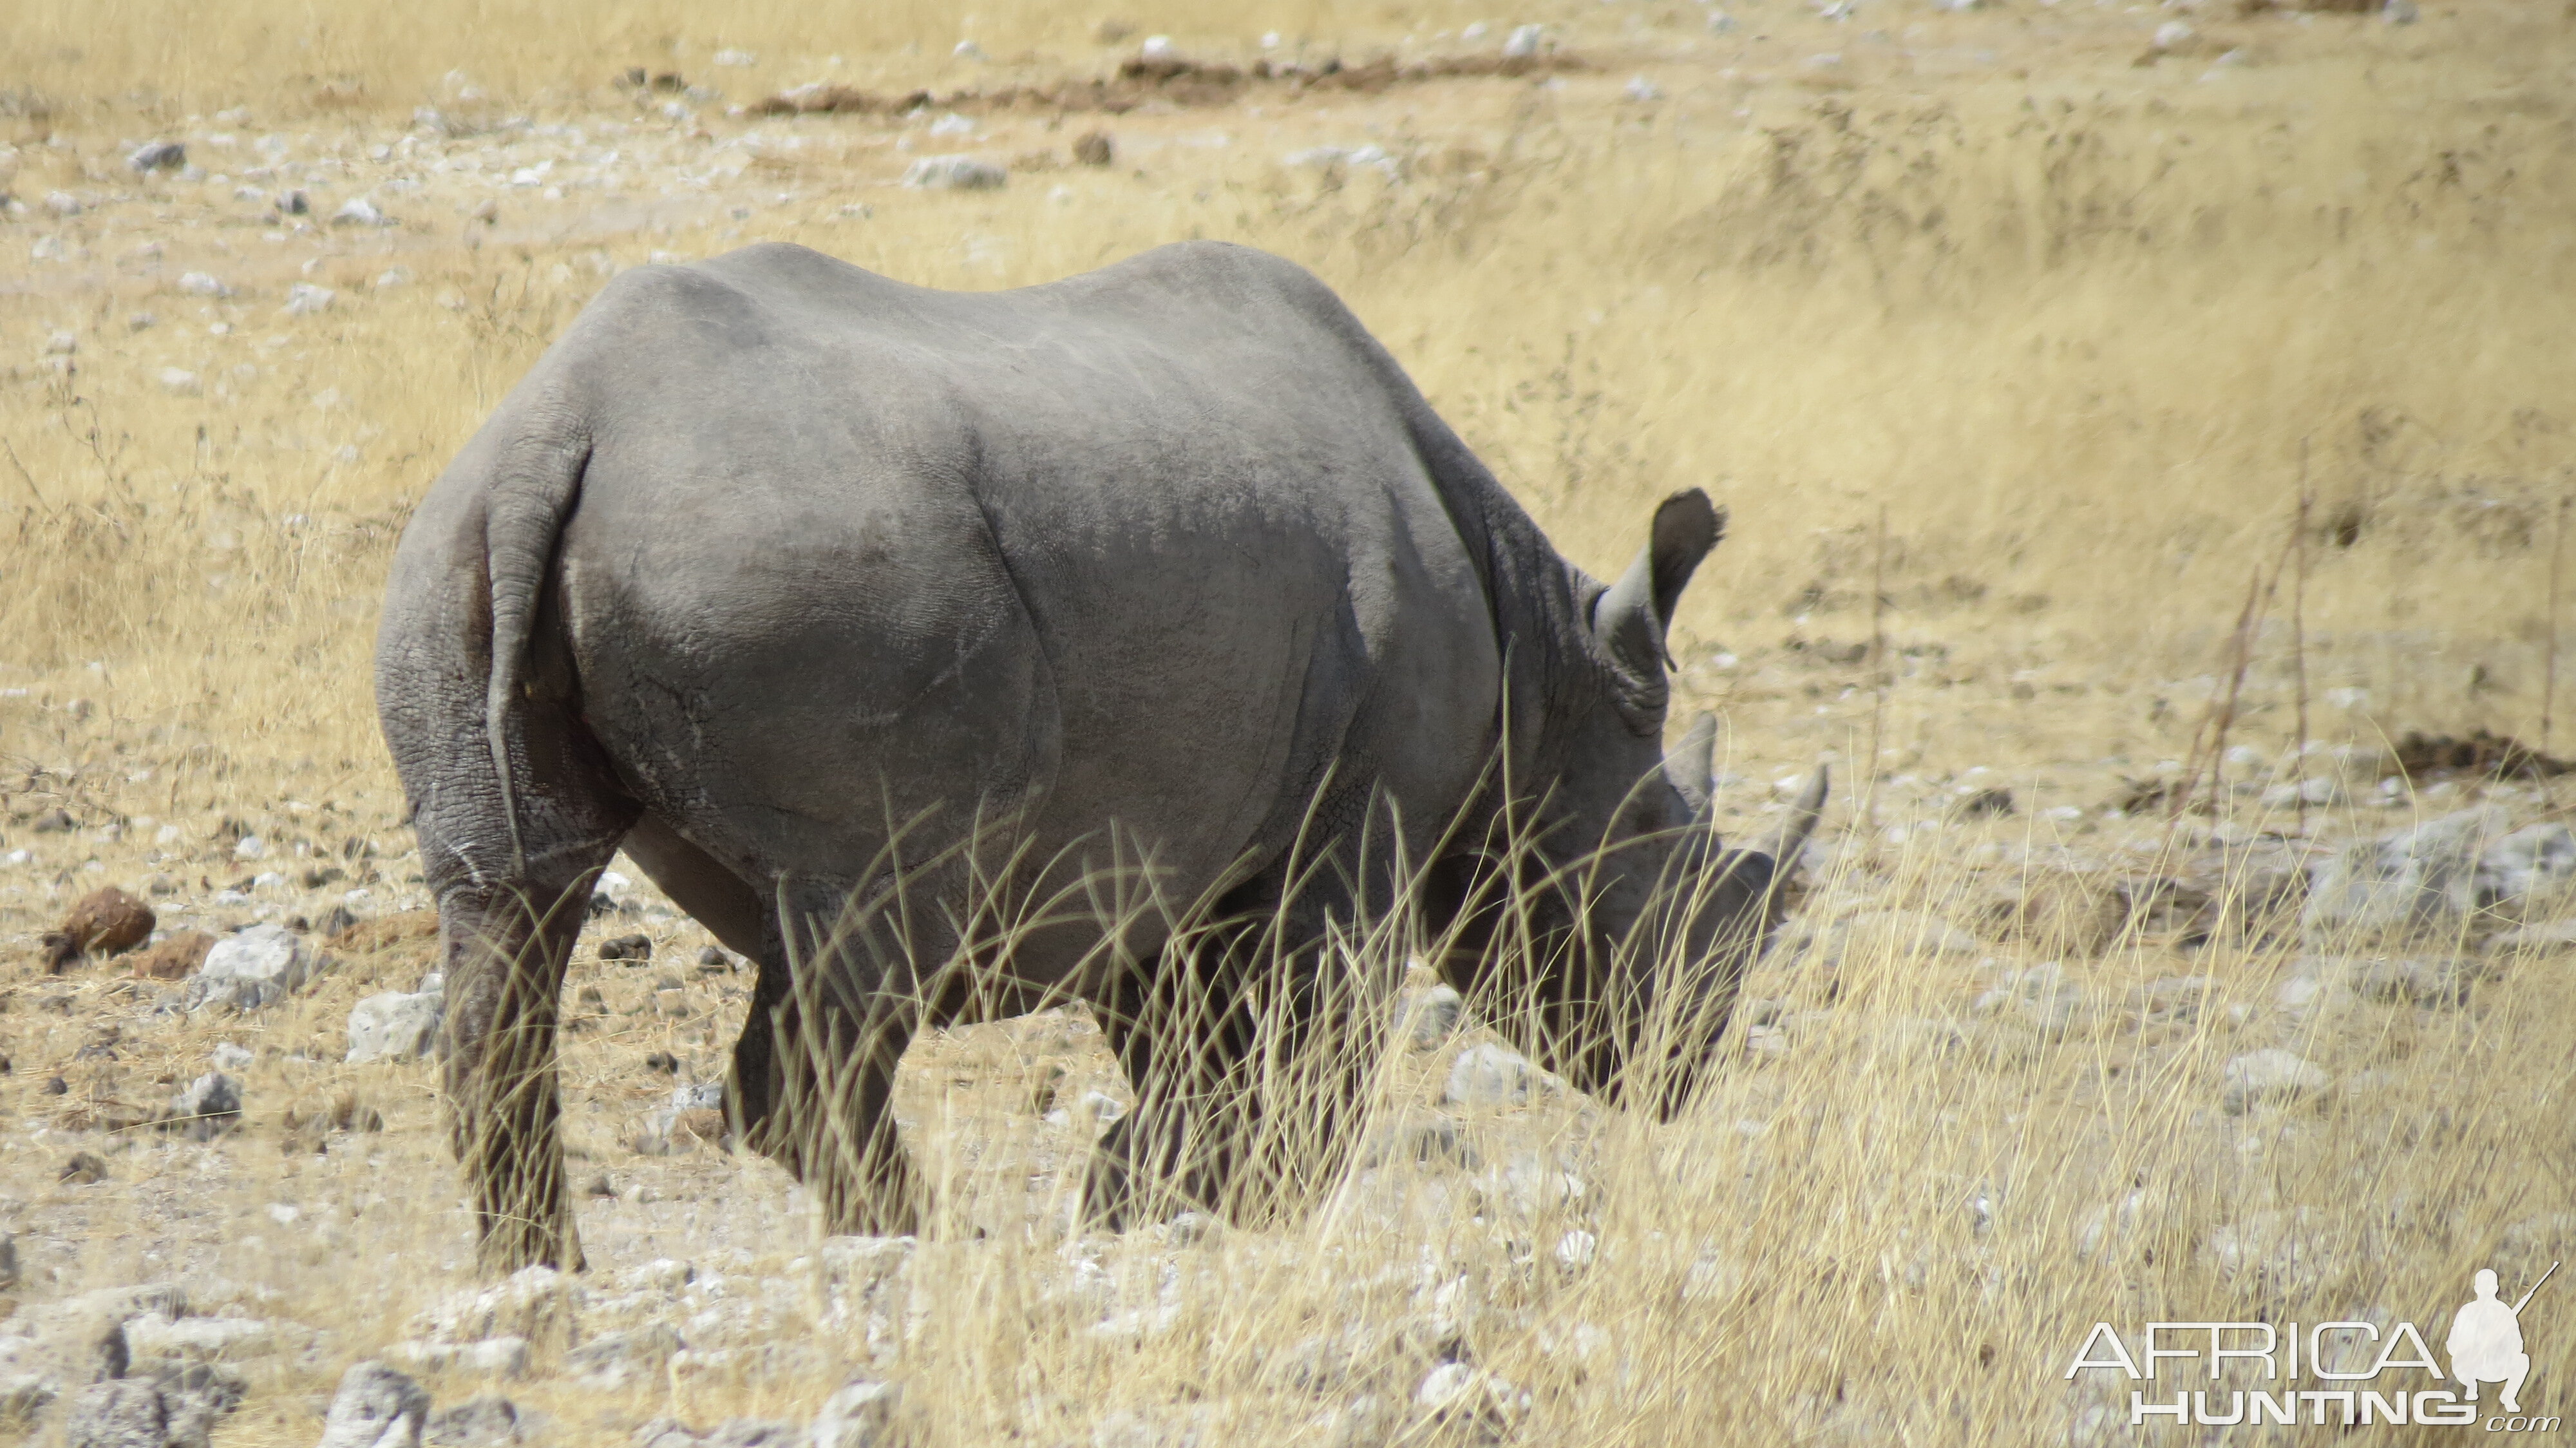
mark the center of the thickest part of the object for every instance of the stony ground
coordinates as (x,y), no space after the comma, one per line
(2033,1040)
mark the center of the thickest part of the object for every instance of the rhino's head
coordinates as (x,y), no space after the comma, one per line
(1655,920)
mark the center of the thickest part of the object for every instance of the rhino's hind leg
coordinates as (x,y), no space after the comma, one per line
(504,952)
(813,1073)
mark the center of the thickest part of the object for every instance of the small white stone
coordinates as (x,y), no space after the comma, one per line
(200,284)
(2270,1077)
(1523,42)
(251,847)
(1641,90)
(2173,35)
(358,211)
(1490,1075)
(305,299)
(180,382)
(1577,1249)
(736,59)
(62,344)
(1156,47)
(954,173)
(394,1026)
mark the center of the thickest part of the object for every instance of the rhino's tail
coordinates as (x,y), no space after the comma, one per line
(532,490)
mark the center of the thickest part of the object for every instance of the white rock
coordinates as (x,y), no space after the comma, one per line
(2270,1077)
(1641,90)
(180,382)
(376,1407)
(210,1105)
(1457,1393)
(2552,936)
(1487,1074)
(250,847)
(857,1415)
(968,50)
(1523,42)
(62,344)
(2400,12)
(954,173)
(2534,861)
(1431,1017)
(1157,47)
(533,1302)
(157,156)
(62,203)
(152,1335)
(359,211)
(736,59)
(394,1026)
(200,284)
(952,124)
(255,968)
(2173,35)
(1577,1248)
(232,1056)
(305,299)
(619,1358)
(2415,877)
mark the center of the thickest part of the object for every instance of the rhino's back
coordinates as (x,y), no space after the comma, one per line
(1152,544)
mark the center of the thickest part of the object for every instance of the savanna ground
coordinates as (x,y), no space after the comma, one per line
(2011,337)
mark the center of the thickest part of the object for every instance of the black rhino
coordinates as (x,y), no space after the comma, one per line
(800,585)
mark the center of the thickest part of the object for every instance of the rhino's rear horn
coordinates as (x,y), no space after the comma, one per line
(1691,765)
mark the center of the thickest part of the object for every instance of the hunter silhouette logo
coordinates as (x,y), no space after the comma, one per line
(2330,1374)
(2486,1341)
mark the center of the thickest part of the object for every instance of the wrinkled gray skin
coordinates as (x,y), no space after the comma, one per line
(769,555)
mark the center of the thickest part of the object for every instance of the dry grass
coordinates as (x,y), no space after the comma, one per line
(2069,327)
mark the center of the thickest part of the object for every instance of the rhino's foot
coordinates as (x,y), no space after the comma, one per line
(511,1242)
(879,1197)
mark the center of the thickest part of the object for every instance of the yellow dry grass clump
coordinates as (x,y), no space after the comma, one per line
(2009,336)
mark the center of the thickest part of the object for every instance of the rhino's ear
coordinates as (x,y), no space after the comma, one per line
(1691,765)
(1632,615)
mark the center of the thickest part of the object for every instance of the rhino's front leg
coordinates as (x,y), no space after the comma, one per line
(504,955)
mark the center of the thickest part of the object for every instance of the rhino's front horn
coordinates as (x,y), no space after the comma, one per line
(1786,843)
(1690,766)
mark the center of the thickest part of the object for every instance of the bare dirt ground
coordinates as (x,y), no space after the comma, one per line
(2012,335)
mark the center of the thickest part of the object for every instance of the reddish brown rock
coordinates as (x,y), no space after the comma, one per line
(104,922)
